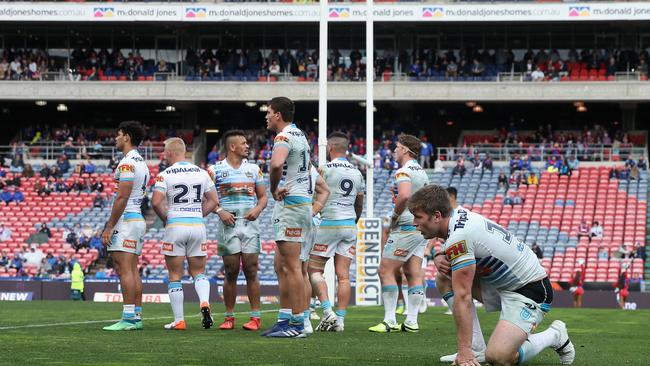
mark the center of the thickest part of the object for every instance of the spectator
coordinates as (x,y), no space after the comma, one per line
(28,171)
(459,168)
(639,250)
(487,163)
(61,186)
(6,196)
(603,254)
(4,259)
(515,163)
(477,69)
(45,230)
(112,163)
(564,168)
(573,163)
(89,167)
(532,179)
(63,164)
(213,156)
(537,75)
(145,270)
(537,250)
(503,181)
(425,153)
(34,256)
(17,263)
(18,196)
(96,185)
(583,230)
(625,173)
(17,164)
(98,201)
(596,231)
(438,167)
(5,233)
(515,179)
(45,171)
(642,164)
(621,253)
(78,186)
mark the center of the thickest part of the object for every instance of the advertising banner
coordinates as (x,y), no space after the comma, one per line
(368,286)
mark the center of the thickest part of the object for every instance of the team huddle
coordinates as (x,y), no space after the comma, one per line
(314,219)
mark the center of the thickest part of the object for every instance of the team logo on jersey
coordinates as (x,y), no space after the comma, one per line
(126,168)
(293,232)
(281,139)
(130,244)
(401,175)
(168,247)
(456,250)
(320,248)
(401,253)
(224,175)
(249,175)
(525,314)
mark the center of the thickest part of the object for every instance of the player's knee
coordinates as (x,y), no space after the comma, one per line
(443,284)
(250,271)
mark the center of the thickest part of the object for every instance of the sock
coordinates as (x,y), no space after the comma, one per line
(296,319)
(256,314)
(405,295)
(536,343)
(229,314)
(128,313)
(449,299)
(341,314)
(138,313)
(312,304)
(327,307)
(389,297)
(305,314)
(202,287)
(176,296)
(415,296)
(478,342)
(284,314)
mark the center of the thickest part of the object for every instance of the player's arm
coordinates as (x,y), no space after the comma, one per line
(403,194)
(124,189)
(159,205)
(210,202)
(322,193)
(461,281)
(262,200)
(278,158)
(358,205)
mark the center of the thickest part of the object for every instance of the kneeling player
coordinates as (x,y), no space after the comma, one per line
(184,194)
(510,279)
(337,234)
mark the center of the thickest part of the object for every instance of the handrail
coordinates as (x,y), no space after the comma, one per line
(52,151)
(541,152)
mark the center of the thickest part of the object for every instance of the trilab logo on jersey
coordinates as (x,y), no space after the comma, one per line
(433,12)
(462,219)
(579,11)
(339,13)
(103,12)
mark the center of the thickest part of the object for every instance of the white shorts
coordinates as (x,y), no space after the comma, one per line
(515,307)
(243,237)
(336,237)
(307,245)
(185,241)
(404,243)
(292,219)
(128,233)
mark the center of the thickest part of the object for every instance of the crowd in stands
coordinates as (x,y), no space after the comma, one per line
(47,264)
(250,64)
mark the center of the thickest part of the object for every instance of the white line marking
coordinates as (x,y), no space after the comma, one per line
(104,321)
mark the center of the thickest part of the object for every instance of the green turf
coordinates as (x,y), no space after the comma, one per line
(601,337)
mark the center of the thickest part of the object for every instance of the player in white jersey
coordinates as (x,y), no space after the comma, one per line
(337,234)
(405,245)
(125,227)
(290,163)
(510,279)
(183,195)
(242,196)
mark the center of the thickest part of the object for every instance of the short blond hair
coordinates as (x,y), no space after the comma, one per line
(175,146)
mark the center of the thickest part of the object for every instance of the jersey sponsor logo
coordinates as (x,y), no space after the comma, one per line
(160,178)
(293,232)
(126,168)
(462,219)
(352,251)
(204,247)
(168,247)
(401,253)
(130,244)
(320,248)
(456,250)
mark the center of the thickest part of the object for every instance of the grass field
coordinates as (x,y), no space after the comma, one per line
(37,333)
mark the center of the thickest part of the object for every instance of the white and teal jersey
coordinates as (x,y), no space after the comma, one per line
(295,174)
(132,168)
(185,185)
(411,173)
(502,260)
(236,187)
(345,183)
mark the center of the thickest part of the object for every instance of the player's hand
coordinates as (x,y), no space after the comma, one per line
(106,236)
(443,265)
(252,214)
(280,193)
(227,217)
(466,358)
